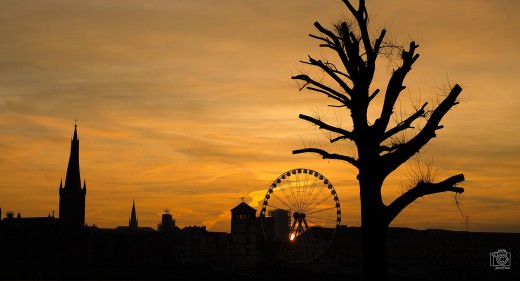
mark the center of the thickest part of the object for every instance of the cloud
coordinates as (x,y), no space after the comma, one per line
(190,106)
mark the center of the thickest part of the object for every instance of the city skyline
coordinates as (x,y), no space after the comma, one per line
(190,106)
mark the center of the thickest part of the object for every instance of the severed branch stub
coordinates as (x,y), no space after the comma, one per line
(422,189)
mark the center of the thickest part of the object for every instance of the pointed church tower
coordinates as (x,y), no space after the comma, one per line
(72,196)
(132,221)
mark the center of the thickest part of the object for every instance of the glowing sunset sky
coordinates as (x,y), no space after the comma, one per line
(189,105)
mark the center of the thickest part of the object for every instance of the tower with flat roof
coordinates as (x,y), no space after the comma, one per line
(244,236)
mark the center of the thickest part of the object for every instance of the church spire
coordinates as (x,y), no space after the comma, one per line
(75,129)
(132,222)
(72,196)
(73,179)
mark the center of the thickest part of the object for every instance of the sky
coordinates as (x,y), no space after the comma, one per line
(189,106)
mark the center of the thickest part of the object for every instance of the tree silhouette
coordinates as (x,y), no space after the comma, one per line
(382,145)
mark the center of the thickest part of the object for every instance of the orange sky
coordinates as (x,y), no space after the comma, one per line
(189,106)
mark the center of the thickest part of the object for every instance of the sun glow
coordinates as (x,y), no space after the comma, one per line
(292,237)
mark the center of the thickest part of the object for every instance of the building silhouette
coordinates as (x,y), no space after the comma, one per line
(72,195)
(244,236)
(167,222)
(43,247)
(133,226)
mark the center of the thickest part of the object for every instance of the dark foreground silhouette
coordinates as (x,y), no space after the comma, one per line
(41,251)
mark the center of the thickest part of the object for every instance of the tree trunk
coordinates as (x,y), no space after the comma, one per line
(373,229)
(374,253)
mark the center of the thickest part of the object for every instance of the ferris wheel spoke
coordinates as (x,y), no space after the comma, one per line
(288,205)
(315,243)
(313,222)
(316,204)
(320,219)
(313,201)
(301,186)
(305,245)
(308,195)
(296,191)
(324,184)
(285,249)
(312,239)
(274,207)
(324,234)
(319,211)
(291,199)
(287,197)
(325,219)
(290,188)
(291,230)
(304,190)
(307,192)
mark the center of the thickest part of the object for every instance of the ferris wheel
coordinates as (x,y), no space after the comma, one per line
(300,214)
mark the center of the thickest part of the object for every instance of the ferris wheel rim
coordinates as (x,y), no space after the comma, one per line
(302,210)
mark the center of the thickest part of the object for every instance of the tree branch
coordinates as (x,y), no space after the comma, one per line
(395,86)
(329,44)
(323,125)
(372,56)
(406,124)
(325,89)
(407,150)
(374,94)
(379,41)
(385,148)
(340,138)
(351,50)
(326,155)
(334,69)
(422,189)
(331,73)
(337,45)
(327,94)
(361,16)
(350,7)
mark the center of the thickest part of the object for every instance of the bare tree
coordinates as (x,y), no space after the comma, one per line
(381,147)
